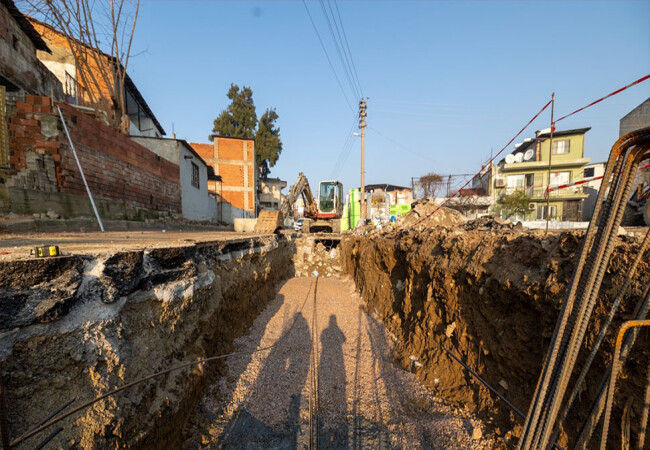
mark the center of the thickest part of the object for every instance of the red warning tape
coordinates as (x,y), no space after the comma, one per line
(607,96)
(586,180)
(475,175)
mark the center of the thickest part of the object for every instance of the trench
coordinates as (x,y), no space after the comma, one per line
(75,327)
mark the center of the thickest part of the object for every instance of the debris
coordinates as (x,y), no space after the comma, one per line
(450,329)
(477,433)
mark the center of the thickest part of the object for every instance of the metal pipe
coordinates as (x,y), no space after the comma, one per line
(74,152)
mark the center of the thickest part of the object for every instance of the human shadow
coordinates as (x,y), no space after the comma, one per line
(277,393)
(333,426)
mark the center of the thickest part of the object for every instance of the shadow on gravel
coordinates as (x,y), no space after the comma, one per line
(333,426)
(245,431)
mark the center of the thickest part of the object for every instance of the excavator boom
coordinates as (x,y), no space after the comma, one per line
(271,221)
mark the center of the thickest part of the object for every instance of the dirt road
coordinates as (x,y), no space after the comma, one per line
(365,401)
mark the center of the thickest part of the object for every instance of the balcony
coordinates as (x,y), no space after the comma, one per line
(537,192)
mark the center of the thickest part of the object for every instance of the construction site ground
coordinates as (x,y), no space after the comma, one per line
(365,399)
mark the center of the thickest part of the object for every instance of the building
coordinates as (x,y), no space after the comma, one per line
(591,188)
(20,69)
(399,195)
(194,174)
(270,192)
(233,159)
(638,118)
(526,169)
(61,62)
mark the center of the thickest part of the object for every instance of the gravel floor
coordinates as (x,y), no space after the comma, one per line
(365,401)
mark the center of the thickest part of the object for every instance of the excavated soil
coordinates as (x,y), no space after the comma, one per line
(491,293)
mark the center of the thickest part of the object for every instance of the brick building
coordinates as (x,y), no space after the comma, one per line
(61,62)
(234,160)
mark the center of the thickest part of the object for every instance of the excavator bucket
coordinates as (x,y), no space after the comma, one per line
(269,221)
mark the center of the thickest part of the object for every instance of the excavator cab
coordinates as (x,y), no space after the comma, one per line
(330,199)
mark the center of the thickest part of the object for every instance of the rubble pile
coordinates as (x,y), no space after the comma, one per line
(420,208)
(492,223)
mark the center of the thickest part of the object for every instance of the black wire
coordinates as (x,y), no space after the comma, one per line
(328,58)
(354,67)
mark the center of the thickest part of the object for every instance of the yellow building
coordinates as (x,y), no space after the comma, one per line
(526,168)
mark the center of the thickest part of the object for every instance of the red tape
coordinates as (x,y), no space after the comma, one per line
(475,175)
(605,97)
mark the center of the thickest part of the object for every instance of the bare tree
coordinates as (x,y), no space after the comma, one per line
(431,184)
(99,35)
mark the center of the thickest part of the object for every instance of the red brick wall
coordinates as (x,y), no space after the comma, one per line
(115,167)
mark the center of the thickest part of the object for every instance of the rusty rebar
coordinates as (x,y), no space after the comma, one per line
(616,365)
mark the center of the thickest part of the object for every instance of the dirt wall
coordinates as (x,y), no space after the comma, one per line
(492,298)
(78,326)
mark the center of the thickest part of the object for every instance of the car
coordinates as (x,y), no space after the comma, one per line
(297,225)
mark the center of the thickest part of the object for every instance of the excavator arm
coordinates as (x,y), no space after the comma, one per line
(270,221)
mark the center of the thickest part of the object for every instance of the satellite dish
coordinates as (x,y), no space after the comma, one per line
(510,159)
(519,157)
(529,154)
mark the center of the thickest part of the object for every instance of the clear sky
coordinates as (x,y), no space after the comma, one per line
(447,82)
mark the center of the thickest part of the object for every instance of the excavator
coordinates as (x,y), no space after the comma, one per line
(322,217)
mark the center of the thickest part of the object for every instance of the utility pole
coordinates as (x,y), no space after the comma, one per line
(362,193)
(550,155)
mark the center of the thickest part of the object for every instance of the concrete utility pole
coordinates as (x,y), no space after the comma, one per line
(362,194)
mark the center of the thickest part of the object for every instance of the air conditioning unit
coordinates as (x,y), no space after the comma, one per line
(500,182)
(532,206)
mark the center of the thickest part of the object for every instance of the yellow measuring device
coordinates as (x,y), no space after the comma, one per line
(46,251)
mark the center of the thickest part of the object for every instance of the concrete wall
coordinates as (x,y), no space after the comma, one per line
(197,204)
(639,117)
(19,65)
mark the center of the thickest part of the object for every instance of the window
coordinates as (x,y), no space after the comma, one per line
(589,172)
(195,175)
(516,181)
(559,178)
(561,147)
(541,212)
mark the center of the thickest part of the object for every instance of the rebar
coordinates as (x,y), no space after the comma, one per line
(584,288)
(616,365)
(643,428)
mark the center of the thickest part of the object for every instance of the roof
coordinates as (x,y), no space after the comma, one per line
(128,82)
(565,132)
(27,27)
(386,187)
(182,141)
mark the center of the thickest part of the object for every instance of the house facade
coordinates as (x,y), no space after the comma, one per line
(233,159)
(61,62)
(526,169)
(270,192)
(194,174)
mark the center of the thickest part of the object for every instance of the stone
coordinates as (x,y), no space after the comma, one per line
(477,433)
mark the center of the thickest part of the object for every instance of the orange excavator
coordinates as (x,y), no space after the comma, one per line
(324,216)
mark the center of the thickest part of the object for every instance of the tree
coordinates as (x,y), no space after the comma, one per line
(268,145)
(99,35)
(515,204)
(431,183)
(239,118)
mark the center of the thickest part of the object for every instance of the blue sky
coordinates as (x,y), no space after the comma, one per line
(447,82)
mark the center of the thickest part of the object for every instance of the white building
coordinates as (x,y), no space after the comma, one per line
(196,202)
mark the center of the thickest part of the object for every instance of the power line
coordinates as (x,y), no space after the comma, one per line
(348,47)
(346,54)
(346,70)
(345,152)
(401,145)
(328,58)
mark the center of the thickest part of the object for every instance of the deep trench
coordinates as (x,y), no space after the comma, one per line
(77,326)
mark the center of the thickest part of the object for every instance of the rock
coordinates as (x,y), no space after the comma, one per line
(450,329)
(477,433)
